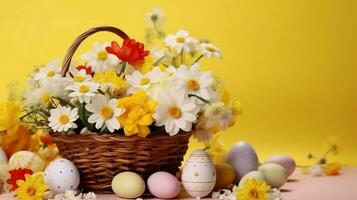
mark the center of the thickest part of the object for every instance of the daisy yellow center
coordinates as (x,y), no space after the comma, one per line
(102,55)
(211,49)
(106,112)
(84,89)
(63,119)
(180,40)
(144,81)
(78,78)
(175,112)
(51,73)
(253,194)
(31,191)
(193,85)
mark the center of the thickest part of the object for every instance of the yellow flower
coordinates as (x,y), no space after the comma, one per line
(332,169)
(253,190)
(9,117)
(216,149)
(146,66)
(32,188)
(110,76)
(138,113)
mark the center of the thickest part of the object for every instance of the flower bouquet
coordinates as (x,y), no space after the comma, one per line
(123,107)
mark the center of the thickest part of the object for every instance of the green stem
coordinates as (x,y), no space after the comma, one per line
(64,101)
(198,97)
(181,55)
(199,58)
(158,61)
(122,69)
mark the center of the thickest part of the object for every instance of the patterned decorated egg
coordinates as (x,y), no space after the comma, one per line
(3,157)
(26,159)
(61,175)
(198,175)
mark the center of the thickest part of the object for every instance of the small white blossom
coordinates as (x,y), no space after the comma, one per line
(181,41)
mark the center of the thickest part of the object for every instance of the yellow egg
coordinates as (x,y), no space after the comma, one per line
(225,175)
(128,185)
(26,159)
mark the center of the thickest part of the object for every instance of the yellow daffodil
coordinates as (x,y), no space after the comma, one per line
(32,188)
(332,169)
(9,117)
(146,66)
(111,77)
(216,149)
(138,113)
(253,190)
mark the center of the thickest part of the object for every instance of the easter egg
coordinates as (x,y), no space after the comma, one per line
(243,159)
(287,162)
(224,175)
(3,157)
(28,160)
(128,185)
(275,175)
(198,174)
(163,185)
(61,175)
(257,175)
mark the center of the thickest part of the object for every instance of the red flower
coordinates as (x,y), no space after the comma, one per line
(131,51)
(87,68)
(46,139)
(17,174)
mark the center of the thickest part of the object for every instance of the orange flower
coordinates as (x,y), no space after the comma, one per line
(21,140)
(332,169)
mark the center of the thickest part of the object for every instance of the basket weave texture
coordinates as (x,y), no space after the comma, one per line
(100,157)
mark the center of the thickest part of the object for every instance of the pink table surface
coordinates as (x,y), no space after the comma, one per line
(299,187)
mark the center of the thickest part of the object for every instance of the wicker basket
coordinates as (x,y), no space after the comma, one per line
(100,157)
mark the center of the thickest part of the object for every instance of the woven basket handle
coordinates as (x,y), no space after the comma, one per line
(72,49)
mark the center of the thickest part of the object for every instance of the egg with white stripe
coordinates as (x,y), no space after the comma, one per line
(198,174)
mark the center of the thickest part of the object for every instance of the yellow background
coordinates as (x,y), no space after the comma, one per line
(291,63)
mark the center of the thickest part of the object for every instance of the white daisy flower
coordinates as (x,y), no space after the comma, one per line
(99,59)
(84,91)
(182,41)
(209,50)
(155,17)
(137,80)
(62,118)
(170,71)
(51,70)
(105,112)
(192,81)
(41,93)
(175,111)
(79,75)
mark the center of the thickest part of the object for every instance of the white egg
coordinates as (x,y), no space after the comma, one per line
(257,175)
(243,159)
(26,159)
(198,174)
(3,157)
(62,175)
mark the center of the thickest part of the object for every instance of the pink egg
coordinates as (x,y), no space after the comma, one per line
(287,162)
(163,185)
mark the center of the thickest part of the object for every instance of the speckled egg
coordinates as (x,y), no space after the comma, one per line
(61,175)
(243,159)
(224,175)
(198,174)
(26,159)
(275,175)
(257,175)
(3,157)
(286,161)
(163,185)
(128,185)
